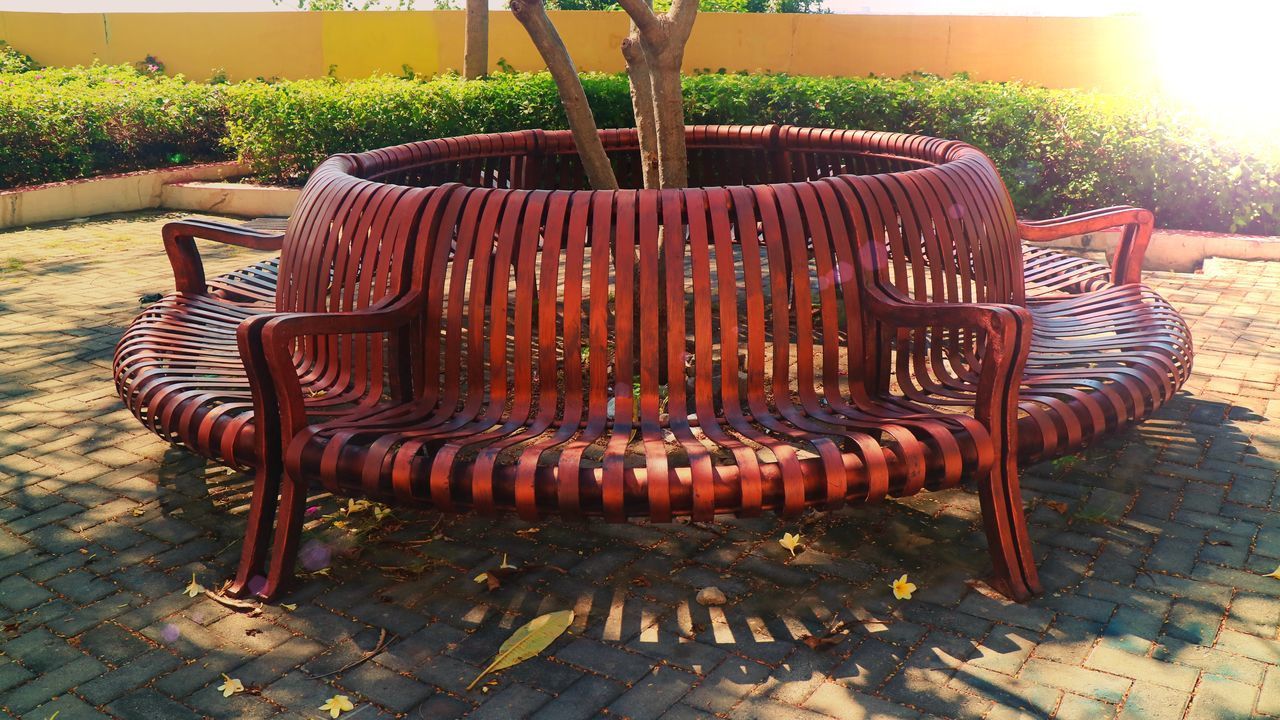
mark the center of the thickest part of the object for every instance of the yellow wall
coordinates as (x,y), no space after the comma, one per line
(1111,54)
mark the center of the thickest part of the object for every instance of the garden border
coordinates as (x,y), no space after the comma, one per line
(190,187)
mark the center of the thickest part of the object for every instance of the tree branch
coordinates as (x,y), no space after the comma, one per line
(532,14)
(648,25)
(682,15)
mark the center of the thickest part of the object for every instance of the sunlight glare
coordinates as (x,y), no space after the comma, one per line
(1220,59)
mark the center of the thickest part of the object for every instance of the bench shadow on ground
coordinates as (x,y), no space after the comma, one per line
(633,586)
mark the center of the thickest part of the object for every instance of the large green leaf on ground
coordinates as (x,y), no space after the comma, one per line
(532,638)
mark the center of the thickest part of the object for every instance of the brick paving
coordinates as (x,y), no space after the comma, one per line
(1154,545)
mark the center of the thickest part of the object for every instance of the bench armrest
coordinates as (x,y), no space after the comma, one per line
(1007,333)
(180,246)
(1137,223)
(266,345)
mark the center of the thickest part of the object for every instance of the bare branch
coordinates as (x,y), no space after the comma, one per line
(641,14)
(532,14)
(682,14)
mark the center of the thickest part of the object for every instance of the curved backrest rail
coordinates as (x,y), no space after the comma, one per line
(763,244)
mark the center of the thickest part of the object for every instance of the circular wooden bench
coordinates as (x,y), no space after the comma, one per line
(826,317)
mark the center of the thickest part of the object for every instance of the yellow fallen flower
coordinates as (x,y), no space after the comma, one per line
(231,686)
(194,588)
(337,705)
(790,542)
(902,589)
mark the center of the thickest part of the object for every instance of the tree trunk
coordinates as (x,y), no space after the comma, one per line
(663,39)
(475,61)
(639,73)
(668,103)
(532,14)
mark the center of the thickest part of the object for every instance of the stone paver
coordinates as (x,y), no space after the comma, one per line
(1154,545)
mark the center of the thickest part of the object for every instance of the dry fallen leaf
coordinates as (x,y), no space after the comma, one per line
(1057,506)
(530,639)
(830,638)
(494,579)
(254,609)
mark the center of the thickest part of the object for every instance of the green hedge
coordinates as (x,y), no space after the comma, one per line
(14,61)
(1059,150)
(58,123)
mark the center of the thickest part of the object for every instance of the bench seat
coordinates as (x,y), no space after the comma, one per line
(214,395)
(1099,361)
(178,368)
(392,452)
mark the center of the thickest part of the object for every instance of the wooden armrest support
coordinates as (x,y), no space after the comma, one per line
(1137,224)
(1007,330)
(266,347)
(180,246)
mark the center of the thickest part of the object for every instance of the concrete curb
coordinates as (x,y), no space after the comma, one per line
(1182,250)
(230,198)
(192,187)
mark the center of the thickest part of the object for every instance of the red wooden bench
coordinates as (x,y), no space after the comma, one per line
(827,317)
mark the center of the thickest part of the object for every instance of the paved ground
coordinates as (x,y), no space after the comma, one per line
(1155,547)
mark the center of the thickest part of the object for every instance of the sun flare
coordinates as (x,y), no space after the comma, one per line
(1221,60)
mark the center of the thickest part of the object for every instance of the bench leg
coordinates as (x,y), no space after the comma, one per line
(284,552)
(257,534)
(1007,538)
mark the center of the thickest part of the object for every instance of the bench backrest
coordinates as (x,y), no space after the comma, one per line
(944,209)
(607,292)
(349,244)
(566,309)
